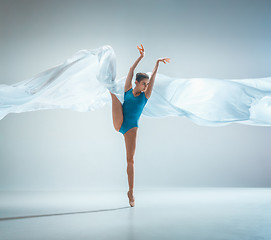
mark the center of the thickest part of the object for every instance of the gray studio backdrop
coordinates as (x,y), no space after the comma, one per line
(68,150)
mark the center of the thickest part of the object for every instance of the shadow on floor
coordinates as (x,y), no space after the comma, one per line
(56,214)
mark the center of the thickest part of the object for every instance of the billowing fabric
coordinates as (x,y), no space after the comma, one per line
(82,82)
(132,108)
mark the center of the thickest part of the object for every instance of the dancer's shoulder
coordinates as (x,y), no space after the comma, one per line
(128,90)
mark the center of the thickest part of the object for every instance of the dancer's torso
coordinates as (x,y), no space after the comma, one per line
(132,109)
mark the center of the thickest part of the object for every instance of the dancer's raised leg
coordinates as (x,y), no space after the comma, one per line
(117,112)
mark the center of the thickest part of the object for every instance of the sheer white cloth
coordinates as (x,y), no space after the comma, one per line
(81,83)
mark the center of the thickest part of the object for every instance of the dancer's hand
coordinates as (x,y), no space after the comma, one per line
(141,50)
(163,60)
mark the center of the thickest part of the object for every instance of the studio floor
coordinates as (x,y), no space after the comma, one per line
(180,213)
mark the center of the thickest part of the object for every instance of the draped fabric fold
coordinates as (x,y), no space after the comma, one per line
(81,83)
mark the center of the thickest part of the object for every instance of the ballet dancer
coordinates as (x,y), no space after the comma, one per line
(125,116)
(83,80)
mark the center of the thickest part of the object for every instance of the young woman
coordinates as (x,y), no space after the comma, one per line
(126,115)
(82,82)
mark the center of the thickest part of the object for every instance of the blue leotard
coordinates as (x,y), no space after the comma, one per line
(132,109)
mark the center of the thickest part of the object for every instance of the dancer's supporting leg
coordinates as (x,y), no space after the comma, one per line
(117,112)
(130,143)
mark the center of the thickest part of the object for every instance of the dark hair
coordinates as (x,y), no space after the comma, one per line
(140,76)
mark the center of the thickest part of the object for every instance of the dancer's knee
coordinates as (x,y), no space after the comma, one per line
(130,160)
(117,127)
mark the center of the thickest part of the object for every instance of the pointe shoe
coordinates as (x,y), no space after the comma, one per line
(132,203)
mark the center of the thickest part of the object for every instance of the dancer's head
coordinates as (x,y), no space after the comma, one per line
(142,81)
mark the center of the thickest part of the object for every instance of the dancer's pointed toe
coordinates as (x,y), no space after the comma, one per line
(132,204)
(131,199)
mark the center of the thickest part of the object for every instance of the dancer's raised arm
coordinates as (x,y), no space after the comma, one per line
(128,82)
(151,82)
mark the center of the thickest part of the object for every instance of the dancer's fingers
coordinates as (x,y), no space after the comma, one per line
(166,59)
(139,48)
(163,60)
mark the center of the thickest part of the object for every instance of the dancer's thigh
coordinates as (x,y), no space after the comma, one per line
(117,112)
(130,143)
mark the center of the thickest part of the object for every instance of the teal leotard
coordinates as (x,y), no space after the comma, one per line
(132,109)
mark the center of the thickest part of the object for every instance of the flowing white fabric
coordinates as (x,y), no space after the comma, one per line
(82,82)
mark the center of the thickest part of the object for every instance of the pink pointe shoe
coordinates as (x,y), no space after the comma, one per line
(132,203)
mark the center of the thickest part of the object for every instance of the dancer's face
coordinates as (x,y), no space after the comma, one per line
(143,84)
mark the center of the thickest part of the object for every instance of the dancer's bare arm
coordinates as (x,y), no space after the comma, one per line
(153,75)
(128,82)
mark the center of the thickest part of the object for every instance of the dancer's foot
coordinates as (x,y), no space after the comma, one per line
(131,198)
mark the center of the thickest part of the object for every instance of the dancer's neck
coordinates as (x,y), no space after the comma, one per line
(136,92)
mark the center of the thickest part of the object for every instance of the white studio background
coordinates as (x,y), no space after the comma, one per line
(68,150)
